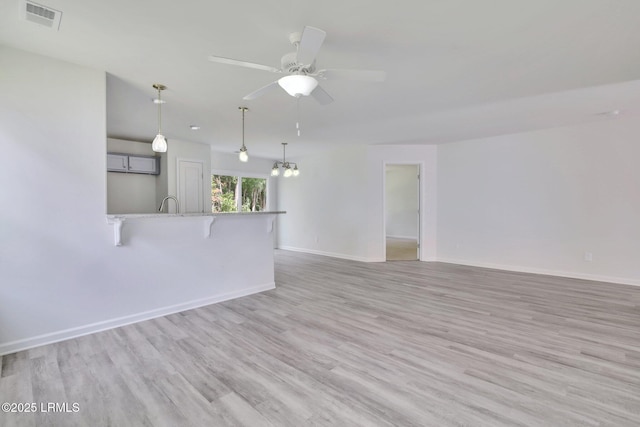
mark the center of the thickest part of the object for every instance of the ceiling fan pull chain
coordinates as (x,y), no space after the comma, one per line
(298,118)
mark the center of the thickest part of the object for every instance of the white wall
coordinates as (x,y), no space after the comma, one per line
(336,206)
(60,273)
(326,204)
(53,215)
(130,192)
(538,201)
(401,201)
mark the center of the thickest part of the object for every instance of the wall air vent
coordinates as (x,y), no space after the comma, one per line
(39,14)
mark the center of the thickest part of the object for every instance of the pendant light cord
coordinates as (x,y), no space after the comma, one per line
(159,111)
(243,110)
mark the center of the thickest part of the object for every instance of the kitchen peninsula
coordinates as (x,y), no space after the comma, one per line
(207,221)
(188,260)
(226,255)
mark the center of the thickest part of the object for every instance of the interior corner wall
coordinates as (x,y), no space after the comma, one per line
(129,193)
(326,205)
(342,214)
(545,201)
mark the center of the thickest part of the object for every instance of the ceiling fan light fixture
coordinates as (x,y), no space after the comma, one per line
(298,84)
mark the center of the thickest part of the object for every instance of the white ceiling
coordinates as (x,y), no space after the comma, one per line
(456,69)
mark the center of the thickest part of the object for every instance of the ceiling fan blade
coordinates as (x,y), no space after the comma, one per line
(310,43)
(265,89)
(321,96)
(363,75)
(245,64)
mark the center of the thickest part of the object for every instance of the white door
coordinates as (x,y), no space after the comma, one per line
(190,186)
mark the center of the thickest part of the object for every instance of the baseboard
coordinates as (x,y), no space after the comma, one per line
(27,343)
(403,237)
(559,273)
(329,254)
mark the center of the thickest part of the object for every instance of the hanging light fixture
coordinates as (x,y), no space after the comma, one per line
(243,155)
(159,144)
(287,166)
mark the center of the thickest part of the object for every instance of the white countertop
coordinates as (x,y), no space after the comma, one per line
(189,215)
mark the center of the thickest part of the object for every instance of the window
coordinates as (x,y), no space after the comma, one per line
(223,193)
(254,194)
(231,193)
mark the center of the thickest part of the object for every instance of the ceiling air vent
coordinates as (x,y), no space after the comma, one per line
(39,14)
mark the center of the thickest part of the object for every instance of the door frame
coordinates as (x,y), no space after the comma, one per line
(420,167)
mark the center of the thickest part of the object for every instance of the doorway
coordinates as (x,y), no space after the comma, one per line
(402,212)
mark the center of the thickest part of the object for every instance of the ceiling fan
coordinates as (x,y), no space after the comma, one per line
(300,68)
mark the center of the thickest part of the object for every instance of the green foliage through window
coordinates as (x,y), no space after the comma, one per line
(228,193)
(254,194)
(223,193)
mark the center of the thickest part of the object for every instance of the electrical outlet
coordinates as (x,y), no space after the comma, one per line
(588,256)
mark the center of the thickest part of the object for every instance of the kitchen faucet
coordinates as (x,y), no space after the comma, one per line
(165,199)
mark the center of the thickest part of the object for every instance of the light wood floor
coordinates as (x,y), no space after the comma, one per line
(401,249)
(347,343)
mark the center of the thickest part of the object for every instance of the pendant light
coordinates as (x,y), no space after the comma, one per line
(287,166)
(159,144)
(243,155)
